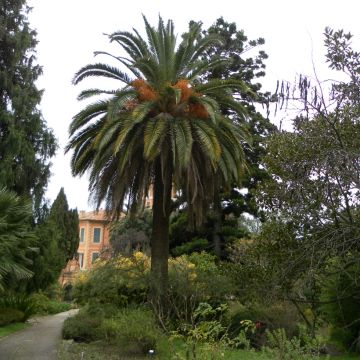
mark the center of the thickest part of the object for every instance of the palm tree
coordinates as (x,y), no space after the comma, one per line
(162,128)
(15,239)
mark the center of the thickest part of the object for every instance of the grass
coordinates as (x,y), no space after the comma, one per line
(9,329)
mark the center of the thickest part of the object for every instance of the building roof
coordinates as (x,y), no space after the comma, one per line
(99,215)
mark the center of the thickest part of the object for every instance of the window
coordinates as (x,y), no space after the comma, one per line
(94,256)
(82,234)
(81,260)
(97,232)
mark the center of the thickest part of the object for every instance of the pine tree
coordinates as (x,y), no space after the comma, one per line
(26,144)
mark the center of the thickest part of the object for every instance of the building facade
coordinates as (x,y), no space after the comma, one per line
(93,240)
(94,237)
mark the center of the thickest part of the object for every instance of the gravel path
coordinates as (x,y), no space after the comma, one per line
(38,342)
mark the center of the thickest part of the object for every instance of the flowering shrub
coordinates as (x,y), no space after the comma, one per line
(122,281)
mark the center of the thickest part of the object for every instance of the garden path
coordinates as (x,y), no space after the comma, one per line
(38,342)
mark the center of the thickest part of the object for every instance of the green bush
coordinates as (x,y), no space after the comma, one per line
(105,311)
(21,302)
(281,348)
(193,279)
(196,244)
(82,328)
(135,329)
(272,316)
(43,305)
(340,296)
(8,316)
(120,281)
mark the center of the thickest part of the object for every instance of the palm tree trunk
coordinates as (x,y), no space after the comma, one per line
(160,230)
(217,222)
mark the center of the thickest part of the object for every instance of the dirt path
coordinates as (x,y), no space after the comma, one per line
(38,342)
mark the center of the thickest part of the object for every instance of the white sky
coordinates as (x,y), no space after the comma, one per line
(69,31)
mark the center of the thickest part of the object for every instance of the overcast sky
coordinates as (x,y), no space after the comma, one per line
(69,31)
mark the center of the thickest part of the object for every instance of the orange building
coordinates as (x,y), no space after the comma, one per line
(94,240)
(94,237)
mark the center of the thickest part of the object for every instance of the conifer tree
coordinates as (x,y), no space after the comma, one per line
(58,242)
(26,144)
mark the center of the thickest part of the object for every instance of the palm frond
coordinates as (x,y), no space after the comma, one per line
(100,69)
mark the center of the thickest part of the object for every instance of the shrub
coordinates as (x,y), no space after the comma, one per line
(280,348)
(8,316)
(21,302)
(135,328)
(193,280)
(125,281)
(120,281)
(271,316)
(43,305)
(82,328)
(101,310)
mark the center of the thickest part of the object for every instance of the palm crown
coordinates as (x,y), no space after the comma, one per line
(163,126)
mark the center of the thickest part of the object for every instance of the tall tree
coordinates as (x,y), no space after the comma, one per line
(164,128)
(26,144)
(58,241)
(67,225)
(247,65)
(315,183)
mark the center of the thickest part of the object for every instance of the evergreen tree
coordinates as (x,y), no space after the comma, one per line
(235,47)
(26,144)
(58,241)
(67,225)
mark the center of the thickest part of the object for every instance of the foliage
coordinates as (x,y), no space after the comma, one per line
(314,188)
(194,245)
(66,223)
(119,281)
(82,328)
(235,47)
(8,316)
(131,234)
(43,305)
(20,302)
(184,240)
(125,280)
(280,348)
(163,128)
(344,312)
(58,241)
(315,169)
(134,329)
(194,279)
(16,239)
(26,144)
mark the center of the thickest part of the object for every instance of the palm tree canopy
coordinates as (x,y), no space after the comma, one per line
(161,114)
(15,238)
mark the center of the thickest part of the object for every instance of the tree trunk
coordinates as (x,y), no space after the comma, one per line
(160,231)
(217,224)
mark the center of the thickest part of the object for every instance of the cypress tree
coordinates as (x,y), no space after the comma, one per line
(58,242)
